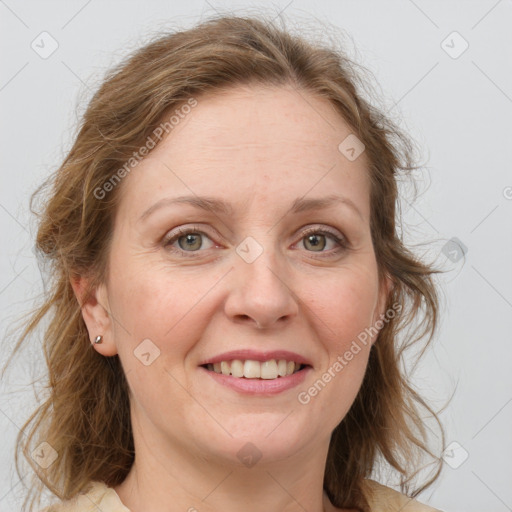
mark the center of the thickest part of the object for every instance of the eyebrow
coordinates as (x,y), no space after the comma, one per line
(302,205)
(218,206)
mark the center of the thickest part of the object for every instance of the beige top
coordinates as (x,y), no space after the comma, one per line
(101,497)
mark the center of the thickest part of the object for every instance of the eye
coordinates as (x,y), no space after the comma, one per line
(188,240)
(316,240)
(192,239)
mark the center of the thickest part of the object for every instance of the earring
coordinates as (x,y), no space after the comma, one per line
(98,339)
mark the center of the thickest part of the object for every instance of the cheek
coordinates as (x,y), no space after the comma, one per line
(161,306)
(344,306)
(158,321)
(341,311)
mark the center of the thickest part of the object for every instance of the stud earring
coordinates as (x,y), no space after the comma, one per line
(98,339)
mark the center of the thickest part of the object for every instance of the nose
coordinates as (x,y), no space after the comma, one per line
(261,294)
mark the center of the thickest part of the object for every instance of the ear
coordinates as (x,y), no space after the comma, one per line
(96,314)
(385,288)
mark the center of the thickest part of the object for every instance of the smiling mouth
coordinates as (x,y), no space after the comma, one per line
(250,369)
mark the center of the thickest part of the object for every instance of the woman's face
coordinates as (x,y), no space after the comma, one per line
(225,249)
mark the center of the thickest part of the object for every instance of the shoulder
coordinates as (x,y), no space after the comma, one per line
(97,497)
(385,499)
(100,497)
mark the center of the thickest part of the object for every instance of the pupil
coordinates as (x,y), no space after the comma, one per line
(191,242)
(316,241)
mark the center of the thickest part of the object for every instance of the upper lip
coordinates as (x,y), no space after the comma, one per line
(246,354)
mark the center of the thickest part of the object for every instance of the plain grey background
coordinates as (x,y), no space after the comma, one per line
(444,68)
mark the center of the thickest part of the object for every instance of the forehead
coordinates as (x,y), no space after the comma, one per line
(255,118)
(252,141)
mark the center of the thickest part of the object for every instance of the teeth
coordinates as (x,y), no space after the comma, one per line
(251,369)
(269,369)
(237,368)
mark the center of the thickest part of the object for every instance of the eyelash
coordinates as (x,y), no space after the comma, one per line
(340,241)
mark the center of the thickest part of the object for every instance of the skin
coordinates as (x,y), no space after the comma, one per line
(259,149)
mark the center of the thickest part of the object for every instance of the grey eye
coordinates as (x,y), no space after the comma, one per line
(190,241)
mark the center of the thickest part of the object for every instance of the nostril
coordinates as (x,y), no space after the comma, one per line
(244,317)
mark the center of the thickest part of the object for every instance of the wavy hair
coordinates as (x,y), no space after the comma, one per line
(86,415)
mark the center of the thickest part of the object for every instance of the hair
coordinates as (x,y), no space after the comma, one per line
(86,415)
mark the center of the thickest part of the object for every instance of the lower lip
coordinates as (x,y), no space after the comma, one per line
(259,386)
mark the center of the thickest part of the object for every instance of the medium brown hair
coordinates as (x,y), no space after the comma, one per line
(86,416)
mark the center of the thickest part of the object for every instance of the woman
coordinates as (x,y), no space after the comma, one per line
(229,287)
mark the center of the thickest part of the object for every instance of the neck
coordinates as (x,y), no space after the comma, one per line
(178,479)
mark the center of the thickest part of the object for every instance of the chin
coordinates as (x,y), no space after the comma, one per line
(252,439)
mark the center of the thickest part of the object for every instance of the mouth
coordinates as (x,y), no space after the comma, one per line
(271,369)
